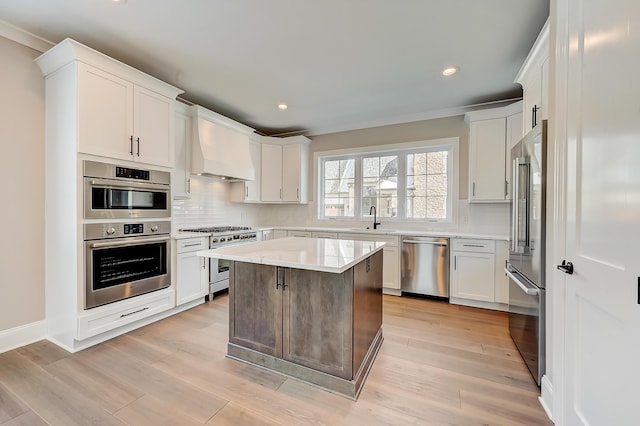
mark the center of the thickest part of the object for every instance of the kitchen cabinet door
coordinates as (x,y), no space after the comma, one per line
(255,312)
(192,272)
(472,276)
(192,277)
(105,114)
(271,172)
(291,184)
(153,116)
(120,120)
(487,157)
(502,281)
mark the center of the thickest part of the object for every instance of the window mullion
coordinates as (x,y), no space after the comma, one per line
(357,202)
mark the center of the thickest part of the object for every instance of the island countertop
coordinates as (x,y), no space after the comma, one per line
(314,254)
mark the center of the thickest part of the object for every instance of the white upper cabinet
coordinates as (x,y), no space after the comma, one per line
(284,170)
(271,168)
(491,135)
(534,79)
(118,111)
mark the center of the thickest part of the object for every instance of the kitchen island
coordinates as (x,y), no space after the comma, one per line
(309,308)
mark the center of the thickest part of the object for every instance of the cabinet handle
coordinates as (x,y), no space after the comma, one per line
(204,263)
(281,193)
(473,245)
(131,144)
(191,245)
(534,115)
(473,189)
(455,263)
(188,186)
(246,191)
(134,312)
(506,188)
(297,193)
(138,140)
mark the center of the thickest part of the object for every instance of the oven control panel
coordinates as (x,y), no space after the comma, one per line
(133,228)
(125,172)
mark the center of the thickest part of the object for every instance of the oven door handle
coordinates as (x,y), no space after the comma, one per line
(128,184)
(129,242)
(527,289)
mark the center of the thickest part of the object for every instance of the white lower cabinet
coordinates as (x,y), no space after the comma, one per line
(267,234)
(306,234)
(321,234)
(279,233)
(109,317)
(476,273)
(390,257)
(192,272)
(472,276)
(502,281)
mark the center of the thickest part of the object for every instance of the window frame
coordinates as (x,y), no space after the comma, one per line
(402,150)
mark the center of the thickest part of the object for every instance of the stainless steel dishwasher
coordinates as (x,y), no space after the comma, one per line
(425,266)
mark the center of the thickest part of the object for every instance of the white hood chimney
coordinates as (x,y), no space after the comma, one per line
(220,146)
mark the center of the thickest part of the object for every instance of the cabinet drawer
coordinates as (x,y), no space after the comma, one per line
(476,246)
(102,319)
(192,244)
(306,234)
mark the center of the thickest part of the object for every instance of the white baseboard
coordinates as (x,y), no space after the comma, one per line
(22,335)
(546,397)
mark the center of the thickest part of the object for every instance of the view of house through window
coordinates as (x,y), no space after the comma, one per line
(413,183)
(380,185)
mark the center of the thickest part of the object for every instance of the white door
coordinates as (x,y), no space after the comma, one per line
(601,367)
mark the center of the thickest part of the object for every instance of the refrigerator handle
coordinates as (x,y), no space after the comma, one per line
(527,206)
(527,289)
(515,187)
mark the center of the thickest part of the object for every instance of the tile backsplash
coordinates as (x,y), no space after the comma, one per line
(209,205)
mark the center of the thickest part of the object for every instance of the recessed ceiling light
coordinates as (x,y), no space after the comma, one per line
(450,71)
(282,106)
(119,1)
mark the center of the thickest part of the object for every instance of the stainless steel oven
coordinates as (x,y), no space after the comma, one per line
(112,191)
(123,260)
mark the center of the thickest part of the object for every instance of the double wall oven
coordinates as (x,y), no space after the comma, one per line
(127,232)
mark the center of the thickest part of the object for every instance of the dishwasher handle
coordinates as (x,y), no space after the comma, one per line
(527,289)
(433,243)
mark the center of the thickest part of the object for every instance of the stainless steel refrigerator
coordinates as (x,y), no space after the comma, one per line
(526,266)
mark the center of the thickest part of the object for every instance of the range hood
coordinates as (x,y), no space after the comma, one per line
(220,146)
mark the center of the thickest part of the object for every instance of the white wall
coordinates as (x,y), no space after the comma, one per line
(22,181)
(480,218)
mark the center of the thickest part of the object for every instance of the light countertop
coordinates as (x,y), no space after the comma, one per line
(315,254)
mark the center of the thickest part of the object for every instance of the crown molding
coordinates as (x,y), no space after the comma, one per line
(23,37)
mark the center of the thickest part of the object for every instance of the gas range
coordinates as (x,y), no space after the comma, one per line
(226,235)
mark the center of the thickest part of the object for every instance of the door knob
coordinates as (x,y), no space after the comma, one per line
(566,267)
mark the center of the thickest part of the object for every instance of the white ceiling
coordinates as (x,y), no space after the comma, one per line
(338,64)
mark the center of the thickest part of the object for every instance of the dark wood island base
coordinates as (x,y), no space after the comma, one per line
(322,328)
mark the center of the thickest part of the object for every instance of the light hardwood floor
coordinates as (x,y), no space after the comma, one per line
(439,364)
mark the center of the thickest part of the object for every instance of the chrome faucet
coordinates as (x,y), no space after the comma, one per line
(375,224)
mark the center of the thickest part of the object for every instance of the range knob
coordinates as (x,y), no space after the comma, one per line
(111,231)
(214,240)
(154,228)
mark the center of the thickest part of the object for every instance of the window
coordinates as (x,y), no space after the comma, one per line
(412,183)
